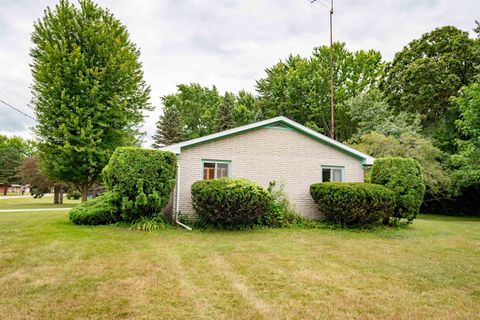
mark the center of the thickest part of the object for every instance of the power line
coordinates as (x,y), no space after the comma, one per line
(18,110)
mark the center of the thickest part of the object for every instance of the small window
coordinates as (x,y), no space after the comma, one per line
(332,174)
(215,169)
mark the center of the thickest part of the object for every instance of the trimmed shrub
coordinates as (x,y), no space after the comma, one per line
(229,202)
(280,213)
(404,177)
(100,210)
(353,204)
(144,180)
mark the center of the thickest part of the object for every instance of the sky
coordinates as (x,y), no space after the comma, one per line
(226,43)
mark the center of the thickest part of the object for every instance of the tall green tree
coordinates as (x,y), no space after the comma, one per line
(467,160)
(197,107)
(12,152)
(169,128)
(426,73)
(370,112)
(299,88)
(88,90)
(225,117)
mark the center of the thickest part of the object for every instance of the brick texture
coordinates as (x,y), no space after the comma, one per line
(267,154)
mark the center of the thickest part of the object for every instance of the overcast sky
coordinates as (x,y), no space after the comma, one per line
(226,43)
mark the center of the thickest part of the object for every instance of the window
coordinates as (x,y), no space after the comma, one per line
(332,174)
(215,169)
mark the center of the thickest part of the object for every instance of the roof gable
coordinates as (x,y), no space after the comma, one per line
(273,123)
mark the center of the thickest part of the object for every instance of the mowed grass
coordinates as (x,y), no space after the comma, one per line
(52,269)
(31,203)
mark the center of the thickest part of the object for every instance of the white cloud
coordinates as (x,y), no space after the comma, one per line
(224,43)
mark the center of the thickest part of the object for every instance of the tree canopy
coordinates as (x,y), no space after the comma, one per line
(12,152)
(426,73)
(299,88)
(88,90)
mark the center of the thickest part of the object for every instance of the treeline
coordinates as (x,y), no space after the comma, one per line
(424,104)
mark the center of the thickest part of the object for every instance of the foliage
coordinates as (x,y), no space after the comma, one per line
(197,107)
(88,90)
(280,213)
(426,73)
(437,178)
(404,177)
(228,202)
(29,173)
(12,152)
(370,112)
(100,210)
(466,162)
(169,128)
(353,204)
(201,109)
(149,224)
(299,87)
(225,117)
(73,194)
(144,180)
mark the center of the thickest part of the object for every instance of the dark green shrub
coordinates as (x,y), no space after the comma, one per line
(100,210)
(229,202)
(404,177)
(353,204)
(73,194)
(280,213)
(144,180)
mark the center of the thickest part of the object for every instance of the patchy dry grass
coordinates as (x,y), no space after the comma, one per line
(52,269)
(31,203)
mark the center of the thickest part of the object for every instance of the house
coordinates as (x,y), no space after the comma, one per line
(275,149)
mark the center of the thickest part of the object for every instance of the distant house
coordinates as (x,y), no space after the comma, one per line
(275,149)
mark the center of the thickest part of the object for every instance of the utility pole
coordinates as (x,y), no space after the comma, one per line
(332,92)
(332,131)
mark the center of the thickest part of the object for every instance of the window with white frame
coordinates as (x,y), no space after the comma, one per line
(332,173)
(214,169)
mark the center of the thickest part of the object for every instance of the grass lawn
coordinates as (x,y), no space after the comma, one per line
(52,269)
(31,203)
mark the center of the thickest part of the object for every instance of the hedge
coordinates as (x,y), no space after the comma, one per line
(404,177)
(229,202)
(100,210)
(144,180)
(353,204)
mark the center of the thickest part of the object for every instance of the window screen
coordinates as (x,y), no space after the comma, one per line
(215,170)
(332,174)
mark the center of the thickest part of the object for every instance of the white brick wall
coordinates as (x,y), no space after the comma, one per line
(263,155)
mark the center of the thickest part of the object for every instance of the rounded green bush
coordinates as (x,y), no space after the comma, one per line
(100,210)
(229,202)
(404,177)
(144,180)
(353,204)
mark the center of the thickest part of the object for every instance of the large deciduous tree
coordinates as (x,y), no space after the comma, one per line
(88,90)
(299,88)
(202,109)
(12,152)
(29,173)
(426,73)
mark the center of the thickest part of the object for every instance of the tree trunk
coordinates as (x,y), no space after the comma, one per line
(56,193)
(60,195)
(84,190)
